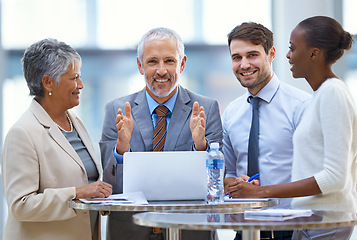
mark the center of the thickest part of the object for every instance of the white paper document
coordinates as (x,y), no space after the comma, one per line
(228,199)
(137,198)
(276,214)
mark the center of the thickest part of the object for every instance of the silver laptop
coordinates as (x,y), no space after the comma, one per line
(166,175)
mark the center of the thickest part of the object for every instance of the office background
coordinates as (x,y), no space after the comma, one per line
(106,32)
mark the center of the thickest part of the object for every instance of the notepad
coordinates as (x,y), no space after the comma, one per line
(276,214)
(136,198)
(106,201)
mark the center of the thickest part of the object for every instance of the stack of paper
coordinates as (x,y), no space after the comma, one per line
(228,199)
(276,214)
(111,200)
(137,198)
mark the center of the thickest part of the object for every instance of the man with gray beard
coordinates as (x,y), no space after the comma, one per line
(192,123)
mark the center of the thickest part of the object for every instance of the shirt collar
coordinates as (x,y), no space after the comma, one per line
(170,104)
(268,91)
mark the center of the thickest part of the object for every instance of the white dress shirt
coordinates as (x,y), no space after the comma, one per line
(280,112)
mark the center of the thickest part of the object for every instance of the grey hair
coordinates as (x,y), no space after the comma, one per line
(161,33)
(47,57)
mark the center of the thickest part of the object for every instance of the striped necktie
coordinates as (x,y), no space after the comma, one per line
(158,146)
(160,128)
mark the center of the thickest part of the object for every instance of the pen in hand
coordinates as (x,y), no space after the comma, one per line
(253,177)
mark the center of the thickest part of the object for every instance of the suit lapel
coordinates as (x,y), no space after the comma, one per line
(180,117)
(82,132)
(62,141)
(142,118)
(45,120)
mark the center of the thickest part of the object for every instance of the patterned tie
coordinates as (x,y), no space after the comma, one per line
(158,146)
(160,129)
(253,145)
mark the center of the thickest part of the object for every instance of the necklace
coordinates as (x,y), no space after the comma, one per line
(70,123)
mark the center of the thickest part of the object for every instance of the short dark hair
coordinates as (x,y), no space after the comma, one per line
(253,32)
(326,33)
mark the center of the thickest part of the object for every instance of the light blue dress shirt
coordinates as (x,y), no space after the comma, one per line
(170,104)
(280,112)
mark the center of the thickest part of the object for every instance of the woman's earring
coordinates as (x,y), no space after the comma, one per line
(49,93)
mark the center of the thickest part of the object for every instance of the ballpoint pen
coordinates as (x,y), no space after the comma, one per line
(249,180)
(253,177)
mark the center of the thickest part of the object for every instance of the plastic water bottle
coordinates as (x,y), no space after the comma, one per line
(215,172)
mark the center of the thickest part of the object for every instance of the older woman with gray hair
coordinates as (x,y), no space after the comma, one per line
(48,158)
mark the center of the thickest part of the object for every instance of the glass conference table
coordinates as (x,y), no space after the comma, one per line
(196,207)
(160,206)
(192,220)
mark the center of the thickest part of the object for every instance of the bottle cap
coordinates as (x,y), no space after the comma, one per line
(214,145)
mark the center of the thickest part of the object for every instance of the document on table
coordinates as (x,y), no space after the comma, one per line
(137,198)
(228,199)
(276,214)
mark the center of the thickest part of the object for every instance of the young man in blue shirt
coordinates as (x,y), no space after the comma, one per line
(280,109)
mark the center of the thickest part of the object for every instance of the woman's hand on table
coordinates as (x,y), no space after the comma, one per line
(237,188)
(98,189)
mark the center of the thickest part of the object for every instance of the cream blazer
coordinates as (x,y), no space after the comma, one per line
(40,171)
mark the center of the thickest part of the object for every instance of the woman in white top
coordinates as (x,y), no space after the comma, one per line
(325,143)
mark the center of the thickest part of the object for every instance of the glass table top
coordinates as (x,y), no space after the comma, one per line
(211,221)
(201,206)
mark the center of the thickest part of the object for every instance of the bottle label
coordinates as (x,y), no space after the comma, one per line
(214,163)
